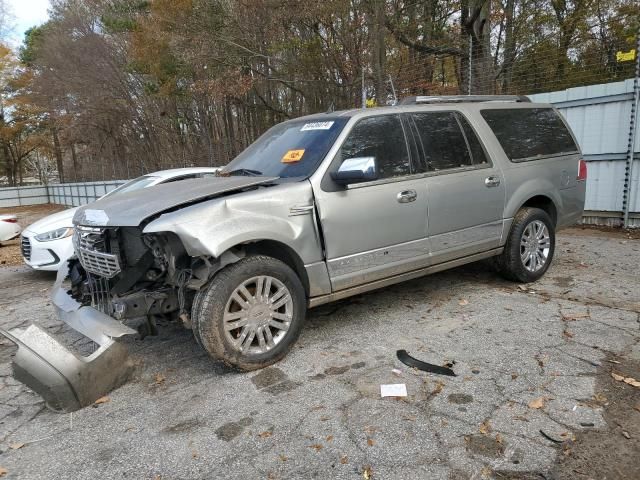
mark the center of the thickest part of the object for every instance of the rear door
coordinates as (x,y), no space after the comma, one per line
(465,190)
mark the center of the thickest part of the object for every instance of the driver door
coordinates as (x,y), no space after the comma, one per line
(374,228)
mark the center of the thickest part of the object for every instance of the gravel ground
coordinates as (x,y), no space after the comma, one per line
(528,360)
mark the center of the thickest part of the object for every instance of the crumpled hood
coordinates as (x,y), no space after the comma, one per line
(53,222)
(129,209)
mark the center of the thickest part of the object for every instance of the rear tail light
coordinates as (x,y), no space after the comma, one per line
(582,170)
(10,220)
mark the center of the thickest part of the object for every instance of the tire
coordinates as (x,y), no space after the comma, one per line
(196,306)
(525,259)
(265,299)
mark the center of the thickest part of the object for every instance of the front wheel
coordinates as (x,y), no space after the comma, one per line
(530,246)
(251,313)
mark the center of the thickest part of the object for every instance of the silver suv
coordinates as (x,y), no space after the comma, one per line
(317,209)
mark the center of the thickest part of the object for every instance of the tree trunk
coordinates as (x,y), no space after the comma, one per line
(378,50)
(475,21)
(58,153)
(509,48)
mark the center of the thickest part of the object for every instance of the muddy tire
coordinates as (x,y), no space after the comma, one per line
(529,249)
(251,313)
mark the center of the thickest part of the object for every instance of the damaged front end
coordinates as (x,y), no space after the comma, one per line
(120,274)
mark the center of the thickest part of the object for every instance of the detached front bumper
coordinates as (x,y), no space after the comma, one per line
(68,381)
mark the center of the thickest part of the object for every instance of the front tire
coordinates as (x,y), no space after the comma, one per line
(251,313)
(530,246)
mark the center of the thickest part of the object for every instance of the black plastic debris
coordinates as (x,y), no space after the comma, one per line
(550,438)
(408,360)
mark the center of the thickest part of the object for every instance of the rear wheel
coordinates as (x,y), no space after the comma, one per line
(529,248)
(251,313)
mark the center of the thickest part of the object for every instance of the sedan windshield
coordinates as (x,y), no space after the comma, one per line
(291,149)
(135,184)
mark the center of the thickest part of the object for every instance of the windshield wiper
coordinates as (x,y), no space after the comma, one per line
(242,171)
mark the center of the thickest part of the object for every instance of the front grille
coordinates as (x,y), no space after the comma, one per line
(90,247)
(99,289)
(25,247)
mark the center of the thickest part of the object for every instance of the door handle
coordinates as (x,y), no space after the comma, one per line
(407,196)
(492,181)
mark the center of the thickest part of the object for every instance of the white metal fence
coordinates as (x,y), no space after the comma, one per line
(69,194)
(601,118)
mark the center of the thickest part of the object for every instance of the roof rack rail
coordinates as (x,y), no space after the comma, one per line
(421,99)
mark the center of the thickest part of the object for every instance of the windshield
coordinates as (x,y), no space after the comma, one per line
(135,184)
(291,149)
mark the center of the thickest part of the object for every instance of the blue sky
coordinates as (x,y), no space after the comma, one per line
(26,14)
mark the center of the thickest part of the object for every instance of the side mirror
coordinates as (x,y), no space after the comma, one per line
(354,170)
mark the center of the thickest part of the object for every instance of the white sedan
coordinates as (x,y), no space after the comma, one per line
(47,244)
(9,228)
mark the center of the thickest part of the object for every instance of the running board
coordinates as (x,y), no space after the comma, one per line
(403,277)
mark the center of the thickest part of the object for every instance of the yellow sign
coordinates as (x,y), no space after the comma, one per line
(626,56)
(371,102)
(293,156)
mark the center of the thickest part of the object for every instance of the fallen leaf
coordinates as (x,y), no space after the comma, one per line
(329,438)
(101,400)
(324,418)
(522,287)
(485,427)
(514,376)
(316,446)
(499,439)
(16,446)
(463,302)
(371,442)
(283,458)
(537,403)
(159,379)
(637,407)
(438,389)
(632,381)
(194,455)
(626,435)
(522,418)
(3,472)
(628,380)
(265,434)
(367,472)
(600,398)
(567,333)
(486,472)
(344,460)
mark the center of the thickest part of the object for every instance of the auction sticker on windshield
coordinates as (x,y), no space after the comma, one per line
(293,156)
(316,126)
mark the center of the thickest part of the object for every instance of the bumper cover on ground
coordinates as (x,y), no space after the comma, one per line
(68,381)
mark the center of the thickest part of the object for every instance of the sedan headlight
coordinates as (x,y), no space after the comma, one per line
(54,234)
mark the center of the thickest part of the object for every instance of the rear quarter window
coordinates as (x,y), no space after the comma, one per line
(527,134)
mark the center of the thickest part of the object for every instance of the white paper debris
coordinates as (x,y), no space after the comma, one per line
(316,126)
(397,371)
(96,217)
(393,390)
